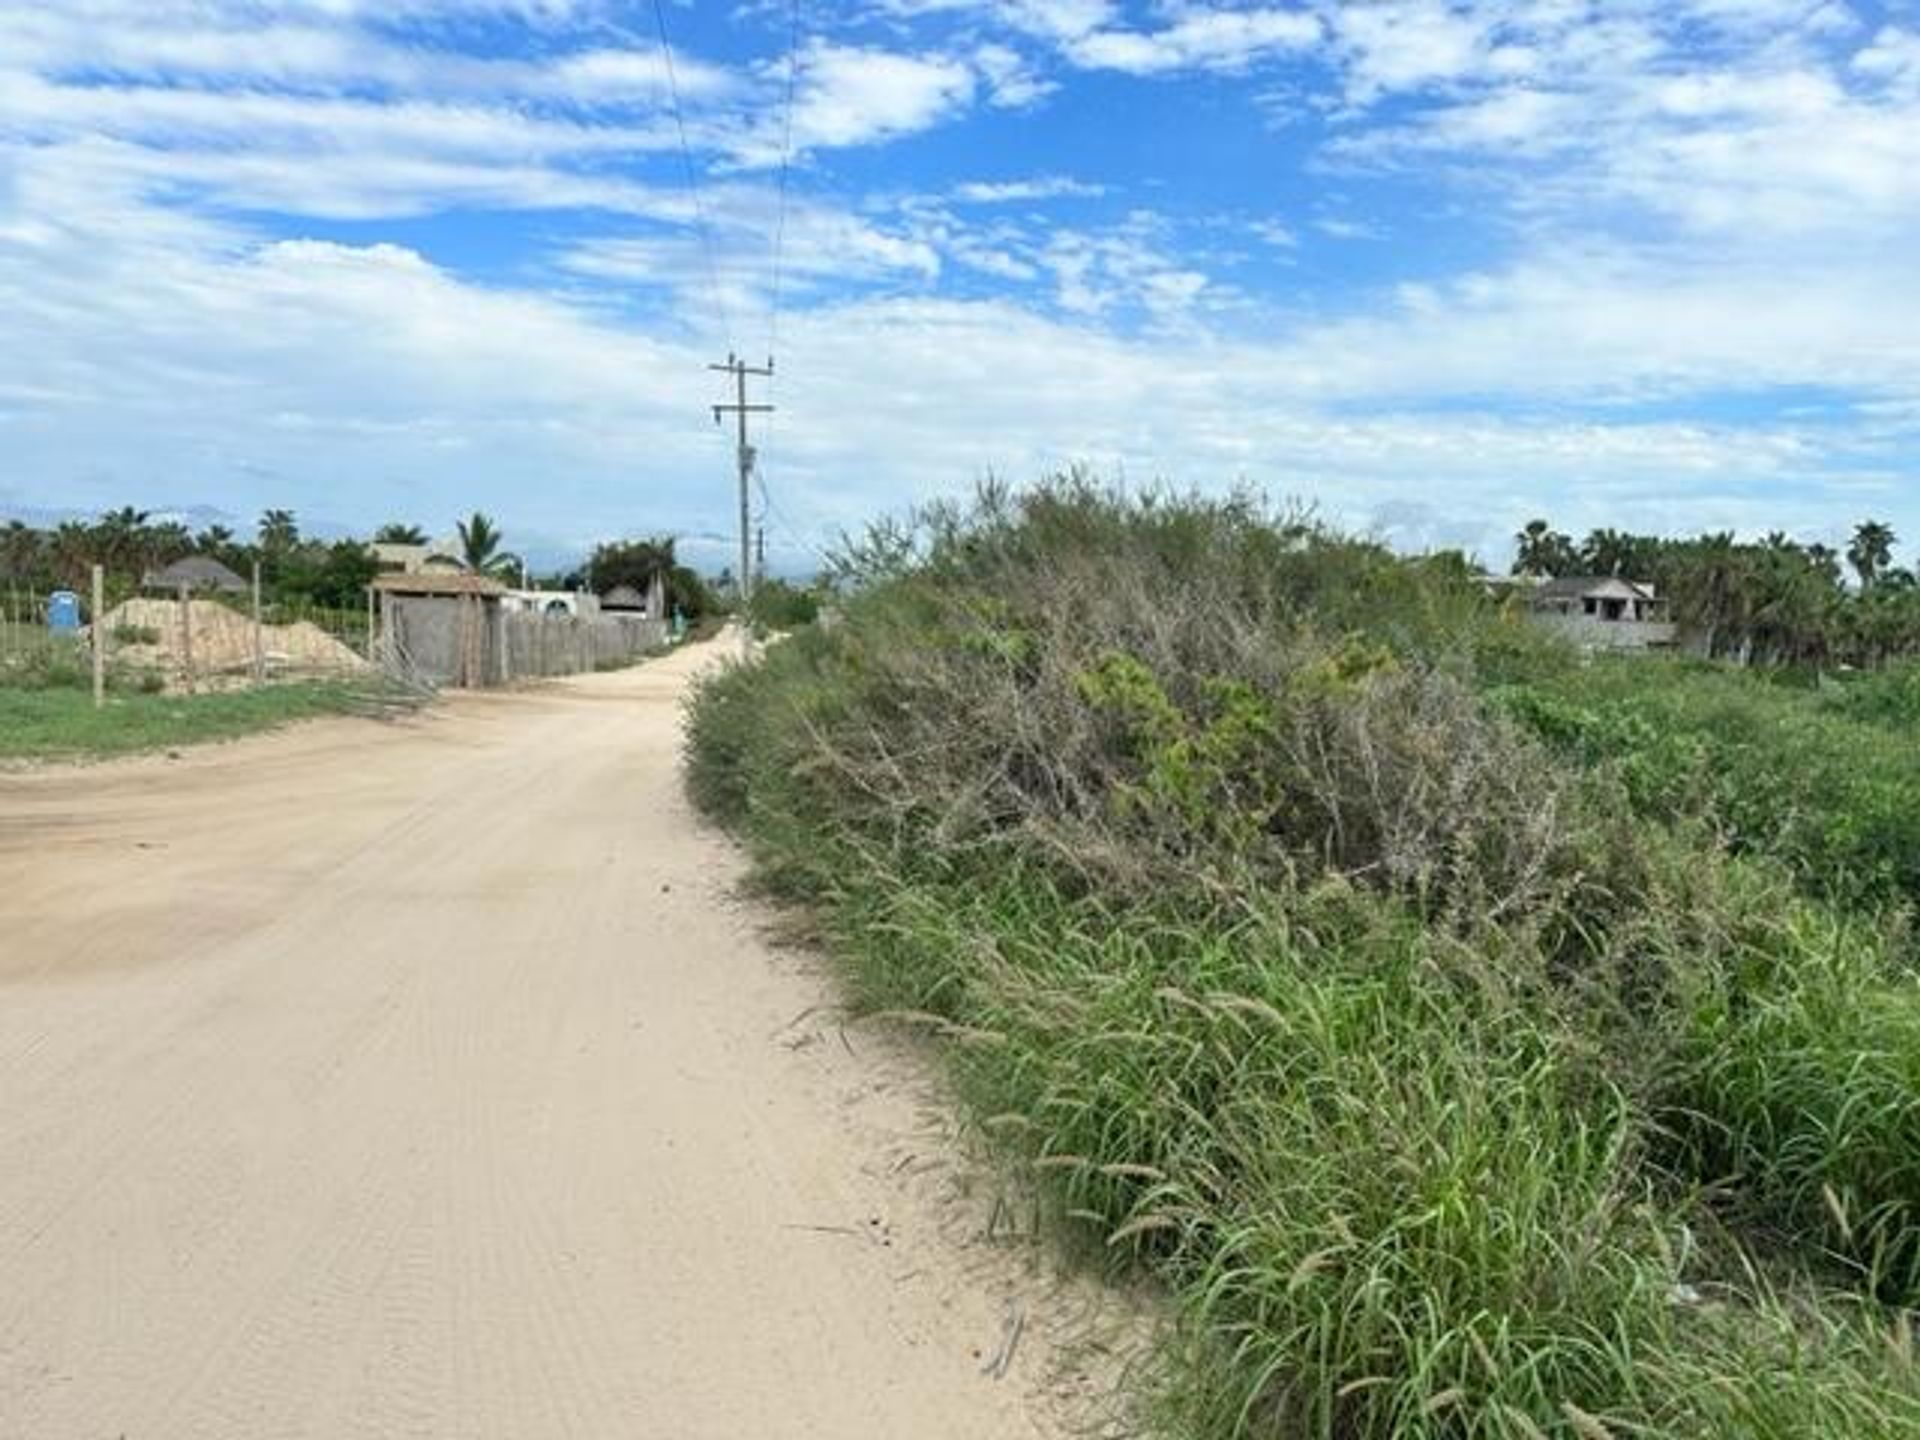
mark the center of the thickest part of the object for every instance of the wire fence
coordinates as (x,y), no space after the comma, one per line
(201,641)
(180,643)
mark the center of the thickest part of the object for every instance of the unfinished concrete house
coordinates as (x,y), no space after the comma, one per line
(1603,612)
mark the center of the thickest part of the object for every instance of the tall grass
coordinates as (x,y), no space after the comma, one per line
(1447,1097)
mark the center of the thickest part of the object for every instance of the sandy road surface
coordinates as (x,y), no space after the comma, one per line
(424,1081)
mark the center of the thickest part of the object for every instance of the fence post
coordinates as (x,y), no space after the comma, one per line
(259,639)
(186,634)
(370,659)
(99,636)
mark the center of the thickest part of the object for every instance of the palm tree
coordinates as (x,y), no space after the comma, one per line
(21,549)
(279,531)
(480,546)
(1871,551)
(167,542)
(1610,552)
(1542,550)
(71,549)
(396,533)
(1823,559)
(122,540)
(1710,588)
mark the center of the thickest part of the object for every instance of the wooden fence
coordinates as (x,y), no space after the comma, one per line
(540,645)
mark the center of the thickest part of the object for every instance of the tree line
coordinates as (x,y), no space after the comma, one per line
(301,570)
(1774,600)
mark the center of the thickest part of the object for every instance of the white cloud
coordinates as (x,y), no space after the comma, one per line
(365,382)
(1785,128)
(183,118)
(1893,58)
(1275,233)
(1405,44)
(1341,228)
(1730,206)
(850,95)
(1012,81)
(999,192)
(1198,39)
(820,245)
(229,43)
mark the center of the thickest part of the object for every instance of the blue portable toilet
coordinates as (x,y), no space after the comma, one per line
(63,612)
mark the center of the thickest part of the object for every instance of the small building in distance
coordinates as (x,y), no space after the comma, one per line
(627,602)
(574,604)
(200,573)
(443,628)
(1602,612)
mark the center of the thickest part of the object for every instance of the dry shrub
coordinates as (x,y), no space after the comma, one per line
(1155,696)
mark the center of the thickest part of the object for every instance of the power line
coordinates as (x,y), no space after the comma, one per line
(786,167)
(693,178)
(768,508)
(745,455)
(786,525)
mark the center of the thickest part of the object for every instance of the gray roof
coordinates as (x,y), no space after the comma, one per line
(1576,586)
(623,597)
(197,572)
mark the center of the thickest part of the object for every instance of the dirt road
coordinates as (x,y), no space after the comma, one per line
(427,1081)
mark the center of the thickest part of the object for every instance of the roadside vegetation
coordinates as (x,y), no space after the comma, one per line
(780,605)
(47,710)
(1824,779)
(60,723)
(1436,1019)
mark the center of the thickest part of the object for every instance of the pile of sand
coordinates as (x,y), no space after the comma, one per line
(223,640)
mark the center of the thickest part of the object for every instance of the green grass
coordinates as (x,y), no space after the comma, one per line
(62,724)
(1454,1078)
(1828,783)
(1381,1204)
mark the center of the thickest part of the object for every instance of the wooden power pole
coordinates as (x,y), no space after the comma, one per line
(740,409)
(99,635)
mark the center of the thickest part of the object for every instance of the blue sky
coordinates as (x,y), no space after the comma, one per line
(1433,267)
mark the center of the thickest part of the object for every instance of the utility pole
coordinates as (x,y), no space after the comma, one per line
(760,553)
(740,409)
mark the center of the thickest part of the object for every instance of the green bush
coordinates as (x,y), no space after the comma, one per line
(47,663)
(777,605)
(1427,1072)
(1888,697)
(1782,773)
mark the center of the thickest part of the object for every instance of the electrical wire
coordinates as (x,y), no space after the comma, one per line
(778,271)
(786,525)
(692,176)
(786,169)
